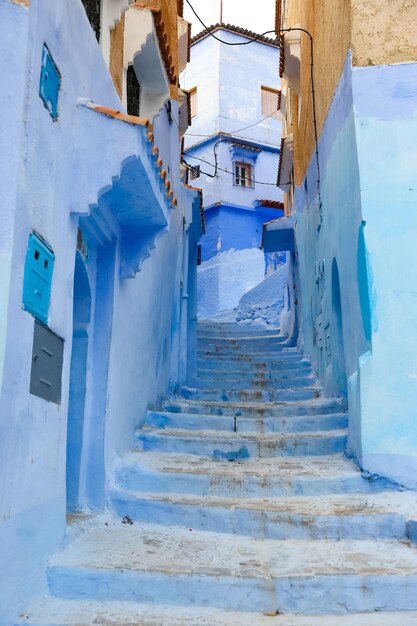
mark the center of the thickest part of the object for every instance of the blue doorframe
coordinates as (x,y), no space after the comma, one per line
(92,330)
(78,381)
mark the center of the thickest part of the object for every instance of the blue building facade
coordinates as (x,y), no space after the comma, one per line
(98,245)
(232,147)
(354,302)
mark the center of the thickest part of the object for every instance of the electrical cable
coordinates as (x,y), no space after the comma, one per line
(220,169)
(313,94)
(228,43)
(239,130)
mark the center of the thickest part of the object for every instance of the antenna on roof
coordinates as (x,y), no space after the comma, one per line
(221,11)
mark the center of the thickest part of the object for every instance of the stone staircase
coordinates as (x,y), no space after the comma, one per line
(239,507)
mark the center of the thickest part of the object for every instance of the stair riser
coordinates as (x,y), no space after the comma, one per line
(191,422)
(212,384)
(249,395)
(214,590)
(260,524)
(282,352)
(337,594)
(237,349)
(246,343)
(133,478)
(236,331)
(259,373)
(293,446)
(254,366)
(284,410)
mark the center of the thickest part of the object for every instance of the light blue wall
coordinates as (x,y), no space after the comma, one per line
(385,101)
(228,81)
(365,343)
(55,172)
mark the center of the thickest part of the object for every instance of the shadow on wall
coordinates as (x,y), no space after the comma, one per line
(78,381)
(337,345)
(363,284)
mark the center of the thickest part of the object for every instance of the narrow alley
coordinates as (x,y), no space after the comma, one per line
(208,304)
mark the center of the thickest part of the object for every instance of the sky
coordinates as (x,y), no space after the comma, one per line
(256,16)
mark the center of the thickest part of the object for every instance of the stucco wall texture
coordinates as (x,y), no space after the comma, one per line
(378,32)
(383,31)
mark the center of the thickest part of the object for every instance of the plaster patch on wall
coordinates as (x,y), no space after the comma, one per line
(383,33)
(23,3)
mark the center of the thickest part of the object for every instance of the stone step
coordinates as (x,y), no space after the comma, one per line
(245,381)
(252,348)
(258,409)
(111,561)
(332,517)
(61,612)
(243,341)
(278,477)
(192,421)
(261,395)
(232,354)
(280,365)
(232,446)
(236,331)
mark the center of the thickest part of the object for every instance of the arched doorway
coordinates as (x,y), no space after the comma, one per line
(78,381)
(338,351)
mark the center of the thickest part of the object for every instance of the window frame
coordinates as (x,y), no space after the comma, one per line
(247,167)
(193,102)
(276,115)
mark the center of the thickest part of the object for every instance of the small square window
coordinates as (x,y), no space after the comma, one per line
(243,175)
(193,102)
(269,99)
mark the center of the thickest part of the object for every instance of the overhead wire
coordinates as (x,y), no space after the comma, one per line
(313,93)
(239,130)
(189,156)
(227,43)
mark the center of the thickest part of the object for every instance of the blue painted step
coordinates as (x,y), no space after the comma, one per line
(366,517)
(258,409)
(207,381)
(171,565)
(191,421)
(221,444)
(247,395)
(282,477)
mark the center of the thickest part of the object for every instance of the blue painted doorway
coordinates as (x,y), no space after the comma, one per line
(78,381)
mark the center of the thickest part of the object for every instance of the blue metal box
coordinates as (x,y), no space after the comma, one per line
(38,278)
(50,82)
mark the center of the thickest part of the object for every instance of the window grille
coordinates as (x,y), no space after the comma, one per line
(243,175)
(269,99)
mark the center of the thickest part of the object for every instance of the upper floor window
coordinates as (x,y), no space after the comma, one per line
(93,10)
(269,99)
(243,175)
(193,101)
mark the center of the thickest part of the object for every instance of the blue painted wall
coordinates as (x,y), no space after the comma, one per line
(356,303)
(57,174)
(228,81)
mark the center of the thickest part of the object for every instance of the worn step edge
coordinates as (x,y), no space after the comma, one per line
(290,424)
(58,612)
(338,517)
